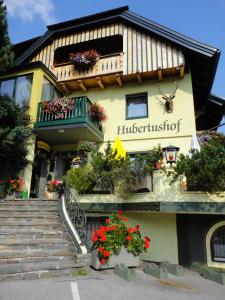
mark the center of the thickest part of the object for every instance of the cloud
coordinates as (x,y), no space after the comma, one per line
(28,10)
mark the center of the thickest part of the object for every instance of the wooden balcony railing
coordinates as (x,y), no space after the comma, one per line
(79,114)
(105,65)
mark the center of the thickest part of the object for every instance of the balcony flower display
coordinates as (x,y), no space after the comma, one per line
(97,113)
(58,107)
(55,186)
(83,61)
(115,235)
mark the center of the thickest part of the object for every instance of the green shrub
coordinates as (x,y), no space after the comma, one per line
(81,179)
(204,170)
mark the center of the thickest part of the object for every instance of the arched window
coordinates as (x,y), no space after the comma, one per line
(215,245)
(218,245)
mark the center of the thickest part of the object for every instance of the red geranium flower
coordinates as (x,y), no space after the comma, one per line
(100,249)
(106,253)
(103,261)
(125,219)
(130,230)
(107,220)
(94,238)
(119,212)
(129,237)
(103,238)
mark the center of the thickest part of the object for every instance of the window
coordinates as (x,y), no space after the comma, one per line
(7,87)
(49,92)
(18,88)
(23,89)
(218,245)
(137,106)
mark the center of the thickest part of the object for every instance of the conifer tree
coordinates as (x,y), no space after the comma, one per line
(6,54)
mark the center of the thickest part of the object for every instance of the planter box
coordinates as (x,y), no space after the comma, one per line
(123,257)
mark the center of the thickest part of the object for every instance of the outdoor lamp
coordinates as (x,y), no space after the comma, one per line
(170,154)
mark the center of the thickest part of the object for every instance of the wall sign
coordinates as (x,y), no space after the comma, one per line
(162,127)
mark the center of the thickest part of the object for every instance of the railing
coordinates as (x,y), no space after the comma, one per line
(105,65)
(75,220)
(79,114)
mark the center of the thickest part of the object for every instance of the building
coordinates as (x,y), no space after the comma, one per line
(139,63)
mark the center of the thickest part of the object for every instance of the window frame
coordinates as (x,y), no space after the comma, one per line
(145,94)
(15,83)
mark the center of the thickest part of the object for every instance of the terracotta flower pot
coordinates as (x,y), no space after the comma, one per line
(158,165)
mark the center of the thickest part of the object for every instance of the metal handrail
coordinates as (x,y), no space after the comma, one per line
(75,219)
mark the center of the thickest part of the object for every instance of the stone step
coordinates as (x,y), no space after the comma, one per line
(29,202)
(34,253)
(41,208)
(41,273)
(35,259)
(33,235)
(29,221)
(32,267)
(41,245)
(27,214)
(15,242)
(31,227)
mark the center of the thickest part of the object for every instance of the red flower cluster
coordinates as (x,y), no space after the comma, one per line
(110,238)
(15,185)
(147,242)
(55,186)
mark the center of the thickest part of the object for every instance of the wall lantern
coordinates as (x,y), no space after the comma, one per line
(170,154)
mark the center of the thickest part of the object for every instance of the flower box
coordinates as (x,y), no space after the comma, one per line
(123,257)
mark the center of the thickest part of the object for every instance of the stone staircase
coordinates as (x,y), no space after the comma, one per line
(34,242)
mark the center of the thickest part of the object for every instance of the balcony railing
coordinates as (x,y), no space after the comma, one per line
(79,114)
(105,65)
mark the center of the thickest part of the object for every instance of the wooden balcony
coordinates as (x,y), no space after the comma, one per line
(70,79)
(74,126)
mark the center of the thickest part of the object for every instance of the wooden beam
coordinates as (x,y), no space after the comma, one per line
(160,75)
(65,88)
(181,72)
(139,78)
(81,85)
(119,80)
(100,83)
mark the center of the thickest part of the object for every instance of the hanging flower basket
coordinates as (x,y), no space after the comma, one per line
(58,107)
(83,61)
(97,113)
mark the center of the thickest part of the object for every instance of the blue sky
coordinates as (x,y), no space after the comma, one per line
(203,20)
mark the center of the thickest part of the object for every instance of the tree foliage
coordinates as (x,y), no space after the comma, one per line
(6,54)
(15,131)
(204,170)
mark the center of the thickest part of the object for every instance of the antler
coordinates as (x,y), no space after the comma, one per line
(177,84)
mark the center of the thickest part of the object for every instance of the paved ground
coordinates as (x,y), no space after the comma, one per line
(106,285)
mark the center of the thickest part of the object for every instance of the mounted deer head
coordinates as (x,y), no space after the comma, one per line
(169,99)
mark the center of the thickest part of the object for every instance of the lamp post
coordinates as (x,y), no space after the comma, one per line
(170,154)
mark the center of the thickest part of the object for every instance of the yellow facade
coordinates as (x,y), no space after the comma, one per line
(179,125)
(161,228)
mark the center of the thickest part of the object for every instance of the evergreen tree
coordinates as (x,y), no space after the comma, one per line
(6,54)
(15,132)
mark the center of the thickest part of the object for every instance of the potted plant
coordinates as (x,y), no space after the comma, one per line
(14,188)
(83,61)
(55,186)
(155,157)
(116,243)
